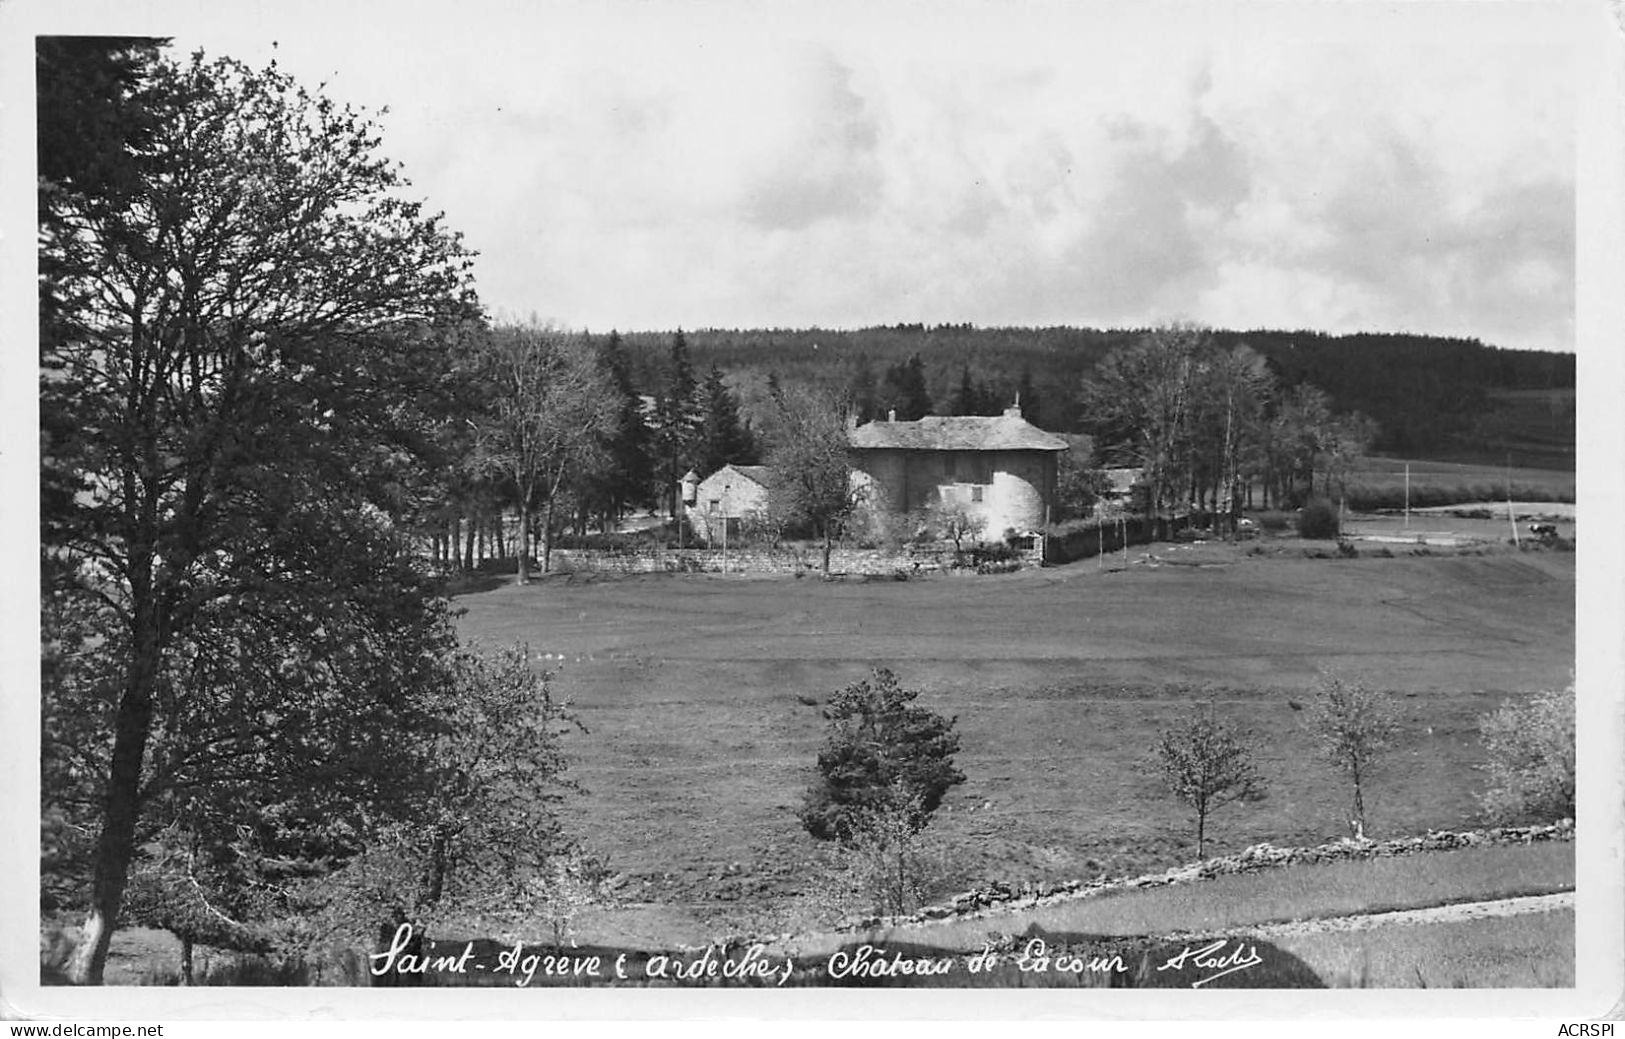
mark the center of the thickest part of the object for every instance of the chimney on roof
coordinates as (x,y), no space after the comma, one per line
(891,415)
(1014,410)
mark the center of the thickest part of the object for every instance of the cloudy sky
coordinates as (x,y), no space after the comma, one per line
(1353,166)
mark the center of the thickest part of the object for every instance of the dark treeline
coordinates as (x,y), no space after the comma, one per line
(1425,393)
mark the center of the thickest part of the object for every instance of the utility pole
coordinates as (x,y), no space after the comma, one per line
(1511,516)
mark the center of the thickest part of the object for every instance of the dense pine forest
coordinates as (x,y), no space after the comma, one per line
(1429,395)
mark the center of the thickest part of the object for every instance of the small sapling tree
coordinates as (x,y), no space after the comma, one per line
(1354,725)
(952,521)
(1531,759)
(1207,764)
(888,866)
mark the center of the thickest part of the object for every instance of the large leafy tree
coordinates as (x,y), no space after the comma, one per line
(474,832)
(246,322)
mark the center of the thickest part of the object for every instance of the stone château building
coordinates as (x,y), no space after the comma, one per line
(998,470)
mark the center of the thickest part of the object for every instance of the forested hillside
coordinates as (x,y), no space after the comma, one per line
(1427,394)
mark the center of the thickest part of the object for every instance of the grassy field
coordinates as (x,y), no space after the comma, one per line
(1292,893)
(1466,481)
(1533,949)
(1530,951)
(700,744)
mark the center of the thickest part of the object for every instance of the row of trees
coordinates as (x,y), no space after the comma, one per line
(1207,762)
(1206,424)
(557,426)
(1427,394)
(254,355)
(888,763)
(550,423)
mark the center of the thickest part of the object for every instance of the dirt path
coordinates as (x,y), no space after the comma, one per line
(1431,915)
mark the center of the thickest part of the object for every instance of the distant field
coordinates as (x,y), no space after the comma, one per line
(1477,482)
(699,747)
(1535,428)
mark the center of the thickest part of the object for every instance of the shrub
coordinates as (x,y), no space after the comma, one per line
(1274,521)
(887,866)
(1531,759)
(881,752)
(1347,549)
(1318,520)
(1007,566)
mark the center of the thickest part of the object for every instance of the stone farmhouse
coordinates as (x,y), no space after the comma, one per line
(999,470)
(725,500)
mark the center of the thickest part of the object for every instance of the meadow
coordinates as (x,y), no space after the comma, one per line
(700,694)
(1379,483)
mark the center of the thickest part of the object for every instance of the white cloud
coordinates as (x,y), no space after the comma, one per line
(641,165)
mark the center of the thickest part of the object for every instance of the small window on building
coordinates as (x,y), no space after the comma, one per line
(976,493)
(711,506)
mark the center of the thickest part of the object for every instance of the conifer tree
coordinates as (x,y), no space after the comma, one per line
(623,483)
(723,437)
(675,426)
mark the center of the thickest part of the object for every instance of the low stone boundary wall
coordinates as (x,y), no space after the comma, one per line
(865,561)
(1003,897)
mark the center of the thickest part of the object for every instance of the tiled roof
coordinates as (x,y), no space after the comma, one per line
(759,473)
(1006,432)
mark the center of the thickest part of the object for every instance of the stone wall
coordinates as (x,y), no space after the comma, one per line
(782,560)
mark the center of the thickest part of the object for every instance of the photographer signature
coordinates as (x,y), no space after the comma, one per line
(1214,957)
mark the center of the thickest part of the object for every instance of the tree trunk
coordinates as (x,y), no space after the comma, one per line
(547,535)
(826,549)
(524,540)
(439,852)
(115,845)
(186,959)
(468,543)
(1359,804)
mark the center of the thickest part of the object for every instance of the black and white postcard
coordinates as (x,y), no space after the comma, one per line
(699,508)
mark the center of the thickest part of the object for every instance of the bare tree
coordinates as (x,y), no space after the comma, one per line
(808,454)
(1208,764)
(551,411)
(1142,395)
(1354,726)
